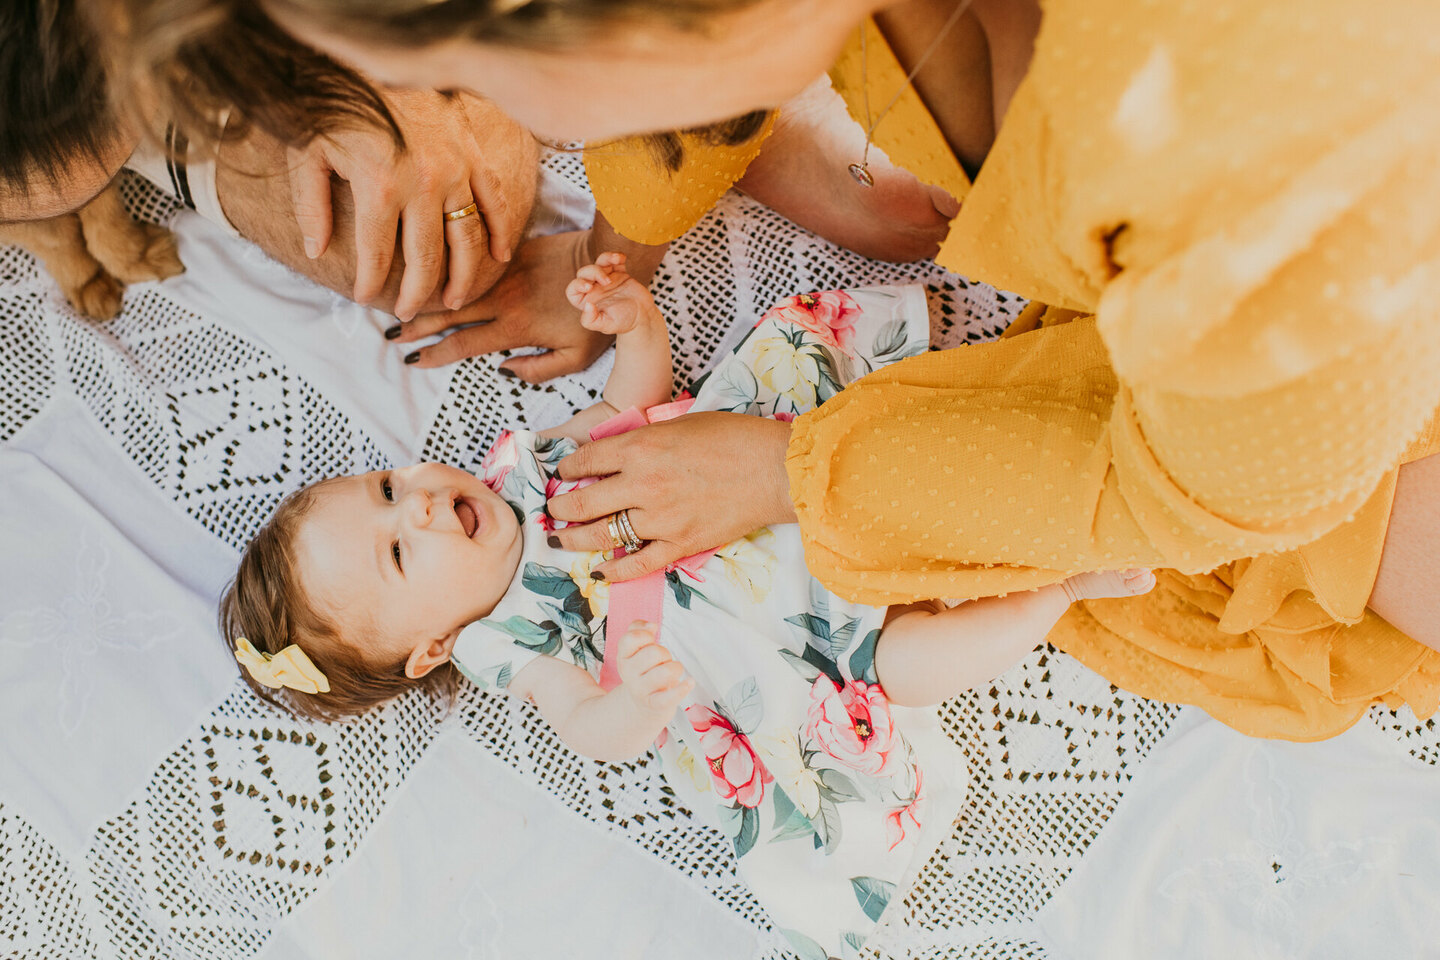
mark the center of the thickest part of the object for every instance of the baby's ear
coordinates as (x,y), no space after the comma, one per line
(429,654)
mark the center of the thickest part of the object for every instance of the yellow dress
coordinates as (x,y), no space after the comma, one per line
(1239,202)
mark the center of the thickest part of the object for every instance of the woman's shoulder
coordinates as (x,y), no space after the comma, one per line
(649,203)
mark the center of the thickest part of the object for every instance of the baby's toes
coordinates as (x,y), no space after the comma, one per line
(1139,581)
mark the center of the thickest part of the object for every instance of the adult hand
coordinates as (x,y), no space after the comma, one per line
(691,483)
(525,308)
(441,170)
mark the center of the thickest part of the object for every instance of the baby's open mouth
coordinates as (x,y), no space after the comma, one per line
(469,520)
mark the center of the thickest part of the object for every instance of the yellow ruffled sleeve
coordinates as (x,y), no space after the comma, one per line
(1258,239)
(649,204)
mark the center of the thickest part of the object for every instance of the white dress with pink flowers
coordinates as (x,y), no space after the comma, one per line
(787,744)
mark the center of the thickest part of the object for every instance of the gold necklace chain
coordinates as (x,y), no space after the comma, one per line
(861,171)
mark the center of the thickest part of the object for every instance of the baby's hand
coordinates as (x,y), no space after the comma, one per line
(609,299)
(1109,583)
(647,671)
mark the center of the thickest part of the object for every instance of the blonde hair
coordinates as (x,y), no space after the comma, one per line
(266,603)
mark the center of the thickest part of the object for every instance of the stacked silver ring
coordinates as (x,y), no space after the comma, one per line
(621,533)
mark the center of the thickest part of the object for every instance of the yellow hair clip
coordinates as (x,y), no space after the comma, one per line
(290,667)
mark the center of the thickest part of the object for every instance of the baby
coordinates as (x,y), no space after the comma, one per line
(770,698)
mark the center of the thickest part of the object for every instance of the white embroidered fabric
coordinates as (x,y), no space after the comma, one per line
(150,806)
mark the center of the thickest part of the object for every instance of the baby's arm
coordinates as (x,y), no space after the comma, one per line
(928,653)
(618,725)
(611,301)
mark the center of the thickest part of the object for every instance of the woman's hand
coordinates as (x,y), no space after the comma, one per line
(443,169)
(695,482)
(526,308)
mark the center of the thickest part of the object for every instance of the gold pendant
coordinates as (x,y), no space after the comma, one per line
(861,174)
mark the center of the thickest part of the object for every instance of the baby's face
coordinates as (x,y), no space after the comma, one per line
(407,556)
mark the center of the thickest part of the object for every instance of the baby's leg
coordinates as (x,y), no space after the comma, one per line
(926,654)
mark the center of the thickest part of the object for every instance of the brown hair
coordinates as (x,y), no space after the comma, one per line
(56,113)
(535,24)
(199,57)
(266,603)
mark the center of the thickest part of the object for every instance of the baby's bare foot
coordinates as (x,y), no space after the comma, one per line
(1104,584)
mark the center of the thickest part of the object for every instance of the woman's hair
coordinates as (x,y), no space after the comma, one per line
(535,24)
(201,57)
(56,112)
(267,604)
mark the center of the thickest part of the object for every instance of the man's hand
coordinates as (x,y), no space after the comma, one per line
(443,169)
(526,308)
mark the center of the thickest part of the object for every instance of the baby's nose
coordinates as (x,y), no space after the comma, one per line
(421,508)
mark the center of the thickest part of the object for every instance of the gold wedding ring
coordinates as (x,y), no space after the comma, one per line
(621,533)
(462,213)
(632,542)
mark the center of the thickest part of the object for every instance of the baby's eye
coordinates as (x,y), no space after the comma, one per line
(386,490)
(395,555)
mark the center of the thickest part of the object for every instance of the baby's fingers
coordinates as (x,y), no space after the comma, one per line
(610,259)
(637,635)
(594,274)
(673,691)
(575,291)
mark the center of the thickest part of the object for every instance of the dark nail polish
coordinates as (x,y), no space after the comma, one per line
(412,357)
(546,509)
(506,372)
(553,541)
(596,575)
(393,332)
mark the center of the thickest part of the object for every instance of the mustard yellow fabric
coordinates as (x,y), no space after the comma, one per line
(907,133)
(1228,218)
(648,204)
(1249,224)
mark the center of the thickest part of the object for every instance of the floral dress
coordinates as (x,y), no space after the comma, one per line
(787,743)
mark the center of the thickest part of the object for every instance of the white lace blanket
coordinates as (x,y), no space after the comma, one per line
(151,807)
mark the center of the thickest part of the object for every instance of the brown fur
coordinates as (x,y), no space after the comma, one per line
(94,252)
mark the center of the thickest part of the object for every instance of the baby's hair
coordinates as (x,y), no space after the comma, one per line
(267,604)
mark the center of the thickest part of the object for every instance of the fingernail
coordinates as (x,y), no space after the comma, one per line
(393,332)
(553,541)
(596,575)
(507,372)
(412,357)
(546,508)
(312,247)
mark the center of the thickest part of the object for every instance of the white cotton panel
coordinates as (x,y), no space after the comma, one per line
(108,649)
(472,861)
(1233,847)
